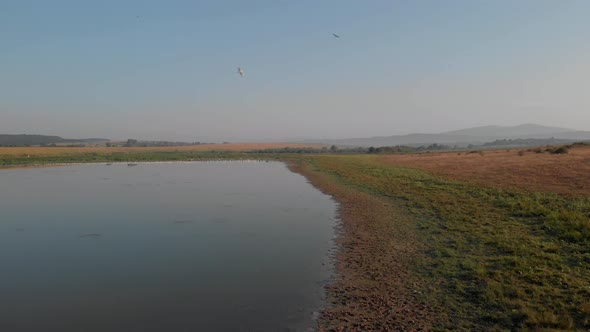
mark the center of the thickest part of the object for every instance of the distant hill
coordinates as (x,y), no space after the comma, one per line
(23,139)
(518,142)
(465,137)
(513,131)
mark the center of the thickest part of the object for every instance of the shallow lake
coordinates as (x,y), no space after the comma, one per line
(205,246)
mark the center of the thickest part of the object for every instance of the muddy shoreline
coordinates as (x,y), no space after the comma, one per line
(374,288)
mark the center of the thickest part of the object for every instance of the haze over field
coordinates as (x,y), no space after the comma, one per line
(168,71)
(535,134)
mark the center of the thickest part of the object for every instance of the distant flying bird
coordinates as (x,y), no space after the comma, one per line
(241,72)
(335,35)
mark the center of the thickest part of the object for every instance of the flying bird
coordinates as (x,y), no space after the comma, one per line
(241,72)
(335,35)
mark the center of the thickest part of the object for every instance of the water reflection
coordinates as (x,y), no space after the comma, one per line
(162,247)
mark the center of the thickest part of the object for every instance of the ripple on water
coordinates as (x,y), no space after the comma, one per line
(183,221)
(91,235)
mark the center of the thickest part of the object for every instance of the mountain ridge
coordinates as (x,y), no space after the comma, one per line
(464,137)
(26,139)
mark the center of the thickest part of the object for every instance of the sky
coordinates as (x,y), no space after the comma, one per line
(167,70)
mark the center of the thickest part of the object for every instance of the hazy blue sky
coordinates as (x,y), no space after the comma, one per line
(167,69)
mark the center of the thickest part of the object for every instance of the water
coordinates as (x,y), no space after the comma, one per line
(218,246)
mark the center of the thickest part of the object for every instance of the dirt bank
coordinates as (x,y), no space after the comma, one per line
(375,289)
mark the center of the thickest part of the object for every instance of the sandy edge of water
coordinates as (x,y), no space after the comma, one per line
(374,288)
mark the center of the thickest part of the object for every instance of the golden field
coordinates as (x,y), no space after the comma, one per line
(515,168)
(61,151)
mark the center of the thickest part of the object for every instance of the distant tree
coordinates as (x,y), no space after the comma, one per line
(131,142)
(333,148)
(560,150)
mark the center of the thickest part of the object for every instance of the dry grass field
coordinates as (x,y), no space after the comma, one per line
(61,151)
(536,172)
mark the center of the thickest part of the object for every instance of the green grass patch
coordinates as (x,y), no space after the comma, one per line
(130,156)
(499,259)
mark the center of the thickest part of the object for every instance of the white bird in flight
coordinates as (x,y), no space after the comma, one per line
(241,72)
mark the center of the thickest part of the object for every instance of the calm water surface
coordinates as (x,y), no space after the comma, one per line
(218,246)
